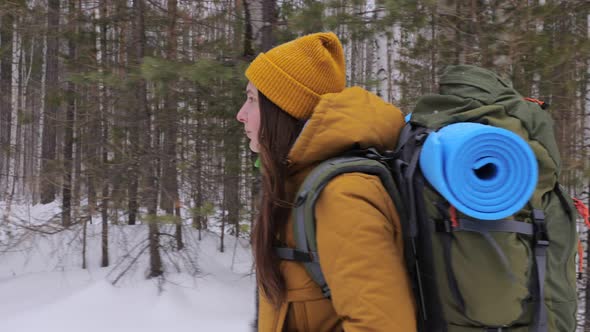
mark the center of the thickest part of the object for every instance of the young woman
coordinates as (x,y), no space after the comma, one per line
(298,114)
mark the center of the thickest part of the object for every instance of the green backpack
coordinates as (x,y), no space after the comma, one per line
(467,274)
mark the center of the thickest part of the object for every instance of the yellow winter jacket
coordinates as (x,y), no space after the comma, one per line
(358,229)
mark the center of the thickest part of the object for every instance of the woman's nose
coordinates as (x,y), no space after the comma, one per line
(240,116)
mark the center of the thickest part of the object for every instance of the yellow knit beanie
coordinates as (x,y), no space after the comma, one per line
(294,75)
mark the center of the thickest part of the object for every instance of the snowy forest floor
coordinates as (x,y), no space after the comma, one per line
(44,288)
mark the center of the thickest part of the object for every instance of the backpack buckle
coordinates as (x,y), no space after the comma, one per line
(443,226)
(373,154)
(421,137)
(540,228)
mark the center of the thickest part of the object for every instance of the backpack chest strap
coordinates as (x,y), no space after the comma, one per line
(292,254)
(485,226)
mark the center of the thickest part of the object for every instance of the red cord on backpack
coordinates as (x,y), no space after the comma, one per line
(536,101)
(585,213)
(453,215)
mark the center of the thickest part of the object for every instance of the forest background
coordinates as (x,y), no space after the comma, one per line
(122,112)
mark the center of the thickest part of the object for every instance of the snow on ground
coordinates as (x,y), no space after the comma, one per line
(43,287)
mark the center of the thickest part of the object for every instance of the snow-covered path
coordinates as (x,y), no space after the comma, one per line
(44,289)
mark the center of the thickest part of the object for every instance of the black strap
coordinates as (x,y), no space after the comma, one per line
(425,266)
(410,227)
(447,239)
(405,135)
(291,254)
(483,226)
(412,192)
(541,244)
(416,228)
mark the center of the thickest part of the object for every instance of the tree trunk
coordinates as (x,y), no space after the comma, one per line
(434,49)
(104,134)
(82,98)
(169,189)
(118,130)
(151,191)
(6,30)
(37,97)
(269,17)
(69,124)
(17,171)
(223,222)
(135,110)
(91,150)
(248,51)
(84,227)
(231,183)
(199,219)
(52,101)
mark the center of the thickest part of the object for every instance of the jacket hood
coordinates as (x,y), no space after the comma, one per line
(353,118)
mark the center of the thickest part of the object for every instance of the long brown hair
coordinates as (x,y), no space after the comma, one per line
(277,134)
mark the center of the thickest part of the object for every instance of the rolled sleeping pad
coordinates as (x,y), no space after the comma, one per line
(486,172)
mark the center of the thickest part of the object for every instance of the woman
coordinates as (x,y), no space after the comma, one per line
(298,114)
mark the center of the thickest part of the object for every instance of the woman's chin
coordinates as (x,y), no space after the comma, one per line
(254,147)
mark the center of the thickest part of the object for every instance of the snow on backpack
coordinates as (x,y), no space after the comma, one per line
(491,251)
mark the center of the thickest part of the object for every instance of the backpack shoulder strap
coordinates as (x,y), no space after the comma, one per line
(304,210)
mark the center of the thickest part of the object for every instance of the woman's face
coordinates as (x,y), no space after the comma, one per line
(249,115)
